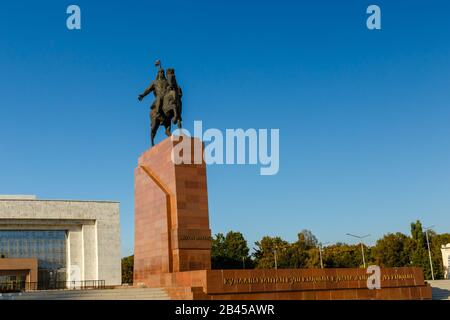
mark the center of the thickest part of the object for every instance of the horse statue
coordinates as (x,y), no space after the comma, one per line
(166,108)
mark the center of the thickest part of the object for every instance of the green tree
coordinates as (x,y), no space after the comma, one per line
(230,251)
(218,246)
(419,255)
(313,258)
(127,269)
(307,239)
(267,248)
(305,252)
(341,255)
(393,250)
(443,239)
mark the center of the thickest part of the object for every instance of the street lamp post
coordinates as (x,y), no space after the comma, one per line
(362,245)
(429,251)
(275,256)
(320,253)
(362,250)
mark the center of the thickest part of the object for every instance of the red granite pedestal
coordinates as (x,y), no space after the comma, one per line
(171,214)
(173,245)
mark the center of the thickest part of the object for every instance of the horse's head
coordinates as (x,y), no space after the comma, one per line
(171,78)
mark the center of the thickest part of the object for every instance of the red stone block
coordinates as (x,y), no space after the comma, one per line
(170,200)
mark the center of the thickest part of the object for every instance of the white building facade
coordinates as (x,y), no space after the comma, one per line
(446,260)
(74,241)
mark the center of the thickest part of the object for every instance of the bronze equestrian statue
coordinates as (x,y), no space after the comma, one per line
(166,107)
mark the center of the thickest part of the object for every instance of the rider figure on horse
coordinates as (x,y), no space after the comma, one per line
(158,87)
(167,103)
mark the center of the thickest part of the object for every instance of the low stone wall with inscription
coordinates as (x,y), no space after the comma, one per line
(239,281)
(298,284)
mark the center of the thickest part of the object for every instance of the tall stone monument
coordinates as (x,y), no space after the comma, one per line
(171,214)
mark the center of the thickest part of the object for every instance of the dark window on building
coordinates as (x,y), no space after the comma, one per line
(49,247)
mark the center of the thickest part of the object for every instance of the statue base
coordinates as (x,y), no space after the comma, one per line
(171,214)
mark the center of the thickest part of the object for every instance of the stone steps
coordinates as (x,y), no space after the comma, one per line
(106,294)
(440,289)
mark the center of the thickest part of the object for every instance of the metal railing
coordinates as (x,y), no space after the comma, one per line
(18,286)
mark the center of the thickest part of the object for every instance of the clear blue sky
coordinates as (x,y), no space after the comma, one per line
(363,115)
